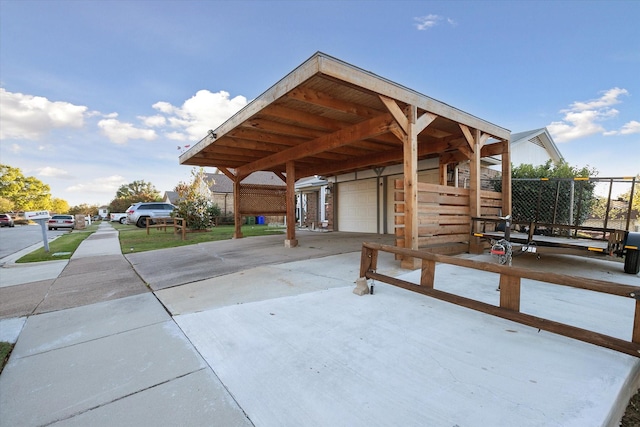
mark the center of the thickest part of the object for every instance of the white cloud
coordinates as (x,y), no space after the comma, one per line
(53,172)
(431,20)
(609,98)
(203,111)
(15,148)
(107,185)
(121,132)
(153,121)
(583,118)
(32,117)
(630,128)
(163,107)
(426,22)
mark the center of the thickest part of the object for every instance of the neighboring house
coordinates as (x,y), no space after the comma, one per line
(103,211)
(221,190)
(534,147)
(314,204)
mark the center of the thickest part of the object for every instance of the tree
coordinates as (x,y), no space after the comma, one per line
(635,203)
(194,201)
(141,190)
(59,206)
(6,205)
(550,201)
(134,192)
(84,209)
(26,193)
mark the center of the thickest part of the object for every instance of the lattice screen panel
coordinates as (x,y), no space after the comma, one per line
(263,199)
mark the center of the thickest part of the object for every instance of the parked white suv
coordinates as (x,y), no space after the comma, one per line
(139,212)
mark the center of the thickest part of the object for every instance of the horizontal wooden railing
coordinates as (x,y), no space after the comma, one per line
(509,286)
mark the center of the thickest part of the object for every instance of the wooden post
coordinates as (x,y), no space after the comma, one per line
(510,292)
(443,173)
(475,245)
(291,241)
(635,337)
(428,273)
(368,260)
(237,234)
(506,178)
(410,148)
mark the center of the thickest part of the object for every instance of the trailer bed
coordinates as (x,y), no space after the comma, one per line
(552,241)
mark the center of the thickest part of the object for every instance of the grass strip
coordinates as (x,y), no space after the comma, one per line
(5,352)
(64,247)
(134,239)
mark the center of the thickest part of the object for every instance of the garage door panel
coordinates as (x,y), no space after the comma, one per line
(357,206)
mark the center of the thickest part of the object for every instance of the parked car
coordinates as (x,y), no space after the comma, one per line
(119,217)
(62,221)
(6,220)
(139,212)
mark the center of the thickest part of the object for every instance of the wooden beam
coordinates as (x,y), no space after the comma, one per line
(281,176)
(423,121)
(396,112)
(467,135)
(362,130)
(325,100)
(493,149)
(228,173)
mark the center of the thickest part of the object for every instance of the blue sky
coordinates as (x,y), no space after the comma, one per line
(96,94)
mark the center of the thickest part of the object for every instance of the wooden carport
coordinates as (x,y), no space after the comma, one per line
(328,118)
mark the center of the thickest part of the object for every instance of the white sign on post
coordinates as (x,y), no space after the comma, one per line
(41,217)
(36,215)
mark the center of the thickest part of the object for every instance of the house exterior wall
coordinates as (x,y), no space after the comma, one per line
(224,202)
(530,153)
(486,175)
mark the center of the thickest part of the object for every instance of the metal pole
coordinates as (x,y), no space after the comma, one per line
(606,213)
(45,240)
(571,197)
(633,184)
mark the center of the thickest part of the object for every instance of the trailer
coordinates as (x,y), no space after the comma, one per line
(567,216)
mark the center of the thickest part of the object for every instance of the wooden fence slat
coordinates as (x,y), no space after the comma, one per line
(510,292)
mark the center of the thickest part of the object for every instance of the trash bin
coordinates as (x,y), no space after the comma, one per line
(251,220)
(261,220)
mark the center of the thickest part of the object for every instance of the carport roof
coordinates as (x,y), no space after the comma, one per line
(330,117)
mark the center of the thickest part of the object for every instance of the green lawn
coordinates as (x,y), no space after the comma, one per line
(134,239)
(5,351)
(61,248)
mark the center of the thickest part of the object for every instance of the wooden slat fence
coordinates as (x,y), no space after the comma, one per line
(444,220)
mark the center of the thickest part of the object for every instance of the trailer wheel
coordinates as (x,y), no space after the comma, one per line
(632,261)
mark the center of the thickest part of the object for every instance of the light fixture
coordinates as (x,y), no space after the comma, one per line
(212,134)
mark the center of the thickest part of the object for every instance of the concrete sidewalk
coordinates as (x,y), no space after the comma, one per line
(245,332)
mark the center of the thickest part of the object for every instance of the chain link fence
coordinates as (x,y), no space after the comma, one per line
(579,202)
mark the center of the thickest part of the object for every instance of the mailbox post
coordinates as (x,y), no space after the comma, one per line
(41,217)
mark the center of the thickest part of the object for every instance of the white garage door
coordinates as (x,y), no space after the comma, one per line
(357,206)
